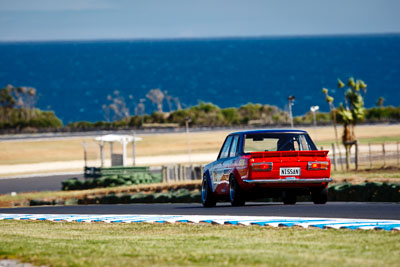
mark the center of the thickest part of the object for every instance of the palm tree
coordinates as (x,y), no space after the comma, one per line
(350,113)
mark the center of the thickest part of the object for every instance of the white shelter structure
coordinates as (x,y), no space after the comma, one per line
(118,159)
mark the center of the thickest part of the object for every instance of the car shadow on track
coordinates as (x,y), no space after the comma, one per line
(227,205)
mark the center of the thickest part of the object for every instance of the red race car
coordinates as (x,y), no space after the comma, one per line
(267,163)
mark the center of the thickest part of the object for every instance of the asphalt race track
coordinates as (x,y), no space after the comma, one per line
(32,184)
(354,210)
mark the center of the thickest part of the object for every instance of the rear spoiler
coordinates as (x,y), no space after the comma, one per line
(274,154)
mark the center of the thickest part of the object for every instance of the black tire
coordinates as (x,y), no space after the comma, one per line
(320,196)
(289,198)
(207,197)
(236,194)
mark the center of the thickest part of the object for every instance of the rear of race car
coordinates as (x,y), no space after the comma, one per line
(287,173)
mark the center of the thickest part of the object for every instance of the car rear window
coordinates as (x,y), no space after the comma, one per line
(277,142)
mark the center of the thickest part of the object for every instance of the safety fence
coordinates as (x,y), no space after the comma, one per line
(370,155)
(173,173)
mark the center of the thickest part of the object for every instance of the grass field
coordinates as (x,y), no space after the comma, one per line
(50,150)
(81,244)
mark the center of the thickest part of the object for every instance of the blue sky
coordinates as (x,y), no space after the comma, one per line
(124,19)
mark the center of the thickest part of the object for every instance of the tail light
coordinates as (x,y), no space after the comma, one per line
(318,165)
(261,166)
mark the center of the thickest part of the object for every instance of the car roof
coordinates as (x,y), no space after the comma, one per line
(269,131)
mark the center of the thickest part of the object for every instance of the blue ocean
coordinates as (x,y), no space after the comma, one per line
(74,78)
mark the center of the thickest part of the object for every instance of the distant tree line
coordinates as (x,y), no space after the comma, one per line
(210,115)
(17,110)
(118,108)
(18,114)
(201,115)
(372,115)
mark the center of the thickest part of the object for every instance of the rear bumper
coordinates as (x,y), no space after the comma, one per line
(289,181)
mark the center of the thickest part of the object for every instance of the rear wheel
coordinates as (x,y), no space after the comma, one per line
(289,198)
(236,194)
(320,196)
(207,197)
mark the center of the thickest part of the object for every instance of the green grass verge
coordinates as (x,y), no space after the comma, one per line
(81,244)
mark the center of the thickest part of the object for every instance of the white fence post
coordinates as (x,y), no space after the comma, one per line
(334,157)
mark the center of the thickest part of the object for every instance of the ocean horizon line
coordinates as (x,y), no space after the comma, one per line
(205,38)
